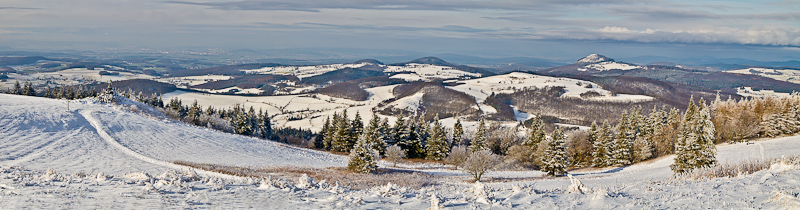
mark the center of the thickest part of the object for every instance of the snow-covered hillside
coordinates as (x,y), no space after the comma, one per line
(596,62)
(408,72)
(593,58)
(92,156)
(427,72)
(607,66)
(90,137)
(481,88)
(789,75)
(304,71)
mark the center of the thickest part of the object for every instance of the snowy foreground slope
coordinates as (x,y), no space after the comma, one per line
(97,153)
(90,137)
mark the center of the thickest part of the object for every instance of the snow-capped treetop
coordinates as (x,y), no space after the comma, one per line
(593,58)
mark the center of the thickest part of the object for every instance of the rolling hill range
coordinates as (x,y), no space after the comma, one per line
(601,66)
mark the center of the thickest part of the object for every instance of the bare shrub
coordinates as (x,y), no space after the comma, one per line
(578,148)
(394,153)
(664,141)
(480,162)
(522,154)
(457,156)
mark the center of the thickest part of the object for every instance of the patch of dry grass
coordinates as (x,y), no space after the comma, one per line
(358,181)
(741,168)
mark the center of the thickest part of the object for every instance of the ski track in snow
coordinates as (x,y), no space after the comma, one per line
(113,142)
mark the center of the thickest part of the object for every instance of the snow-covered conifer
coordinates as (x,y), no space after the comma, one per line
(479,141)
(363,159)
(695,146)
(601,155)
(437,146)
(458,133)
(555,159)
(536,134)
(320,141)
(373,131)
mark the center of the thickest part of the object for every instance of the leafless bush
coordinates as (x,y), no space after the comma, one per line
(740,168)
(457,156)
(579,148)
(522,154)
(480,162)
(394,153)
(345,178)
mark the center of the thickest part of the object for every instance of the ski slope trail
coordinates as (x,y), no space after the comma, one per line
(113,142)
(40,133)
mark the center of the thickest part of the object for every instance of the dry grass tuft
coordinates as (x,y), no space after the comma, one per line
(737,169)
(357,181)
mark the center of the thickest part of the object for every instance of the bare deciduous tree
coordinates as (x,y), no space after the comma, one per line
(480,162)
(457,156)
(394,153)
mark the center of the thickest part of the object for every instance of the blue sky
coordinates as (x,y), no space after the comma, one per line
(548,29)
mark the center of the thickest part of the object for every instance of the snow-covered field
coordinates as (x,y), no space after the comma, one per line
(749,92)
(789,75)
(303,71)
(312,108)
(609,65)
(77,76)
(427,72)
(481,88)
(98,152)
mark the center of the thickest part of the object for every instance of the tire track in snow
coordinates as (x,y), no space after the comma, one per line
(88,115)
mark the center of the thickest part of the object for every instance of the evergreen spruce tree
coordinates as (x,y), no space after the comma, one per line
(363,159)
(479,141)
(17,89)
(357,127)
(265,126)
(555,159)
(704,132)
(108,95)
(695,146)
(398,132)
(458,133)
(372,130)
(331,132)
(319,141)
(28,90)
(621,146)
(341,138)
(601,154)
(252,122)
(239,120)
(594,132)
(386,131)
(194,113)
(423,131)
(411,144)
(437,147)
(536,134)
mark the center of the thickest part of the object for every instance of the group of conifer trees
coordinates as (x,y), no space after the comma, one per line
(237,120)
(418,138)
(635,138)
(27,89)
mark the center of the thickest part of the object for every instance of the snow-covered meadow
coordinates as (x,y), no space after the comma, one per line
(102,156)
